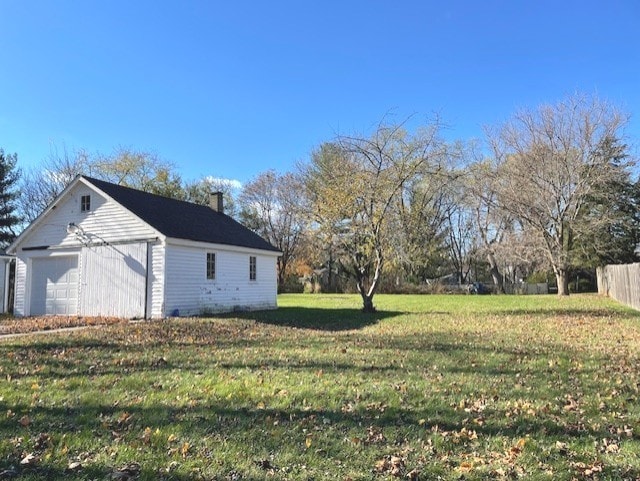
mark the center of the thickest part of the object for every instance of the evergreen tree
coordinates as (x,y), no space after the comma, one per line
(615,198)
(9,176)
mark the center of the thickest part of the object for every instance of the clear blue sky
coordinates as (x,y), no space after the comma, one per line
(230,89)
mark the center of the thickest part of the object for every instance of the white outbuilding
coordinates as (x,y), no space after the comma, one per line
(101,249)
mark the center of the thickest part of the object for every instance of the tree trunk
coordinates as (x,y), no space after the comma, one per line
(367,304)
(361,279)
(562,279)
(495,273)
(281,272)
(367,296)
(330,282)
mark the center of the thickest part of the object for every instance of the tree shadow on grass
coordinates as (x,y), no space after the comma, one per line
(316,318)
(217,423)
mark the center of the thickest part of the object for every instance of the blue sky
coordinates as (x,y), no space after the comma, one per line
(230,89)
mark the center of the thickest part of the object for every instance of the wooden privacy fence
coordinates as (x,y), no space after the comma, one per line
(621,282)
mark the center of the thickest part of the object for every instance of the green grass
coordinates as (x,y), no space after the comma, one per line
(430,387)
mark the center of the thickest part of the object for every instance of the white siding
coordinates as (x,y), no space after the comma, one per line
(20,288)
(189,292)
(114,280)
(156,281)
(107,221)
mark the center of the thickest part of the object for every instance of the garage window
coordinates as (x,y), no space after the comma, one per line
(85,203)
(211,265)
(252,268)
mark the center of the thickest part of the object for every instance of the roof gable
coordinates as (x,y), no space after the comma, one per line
(182,220)
(40,220)
(103,221)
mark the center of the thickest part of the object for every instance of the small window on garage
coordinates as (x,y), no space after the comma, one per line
(252,268)
(85,203)
(211,265)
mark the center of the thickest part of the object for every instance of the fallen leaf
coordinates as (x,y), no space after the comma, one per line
(146,435)
(28,459)
(184,450)
(127,472)
(413,475)
(42,441)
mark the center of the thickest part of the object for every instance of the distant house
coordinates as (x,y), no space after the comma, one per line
(101,249)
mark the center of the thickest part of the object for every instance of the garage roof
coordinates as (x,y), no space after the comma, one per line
(182,220)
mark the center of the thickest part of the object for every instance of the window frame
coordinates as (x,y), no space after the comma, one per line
(253,268)
(85,203)
(210,268)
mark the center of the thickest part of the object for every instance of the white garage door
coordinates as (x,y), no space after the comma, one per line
(54,286)
(114,280)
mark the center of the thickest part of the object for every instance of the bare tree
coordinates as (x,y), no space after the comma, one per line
(140,170)
(40,186)
(549,162)
(491,222)
(461,240)
(271,205)
(200,191)
(137,169)
(352,185)
(519,253)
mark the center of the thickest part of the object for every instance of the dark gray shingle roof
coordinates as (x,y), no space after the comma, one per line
(183,220)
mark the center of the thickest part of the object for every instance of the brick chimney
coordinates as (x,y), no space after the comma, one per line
(215,202)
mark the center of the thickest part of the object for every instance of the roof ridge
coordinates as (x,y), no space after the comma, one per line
(182,219)
(93,180)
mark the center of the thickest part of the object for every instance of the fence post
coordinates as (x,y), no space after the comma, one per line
(600,275)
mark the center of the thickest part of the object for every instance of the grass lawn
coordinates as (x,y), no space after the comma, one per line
(431,387)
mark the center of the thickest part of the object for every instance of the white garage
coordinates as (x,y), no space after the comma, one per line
(101,249)
(54,285)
